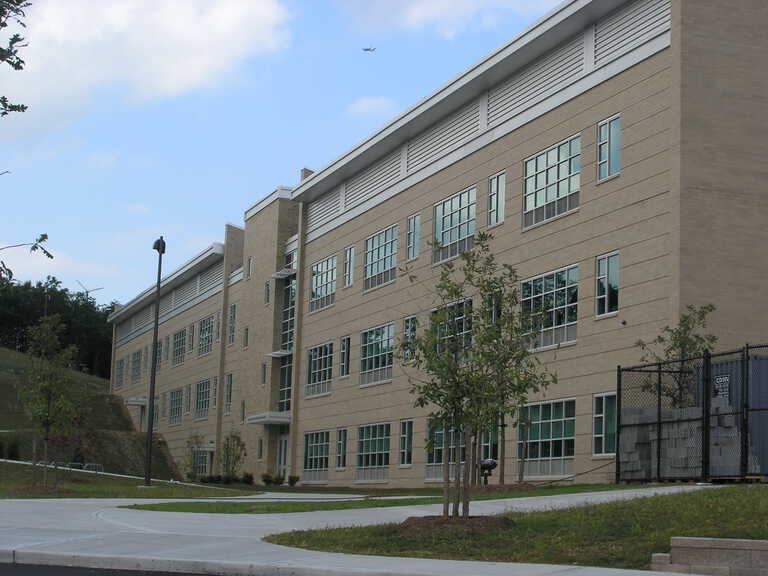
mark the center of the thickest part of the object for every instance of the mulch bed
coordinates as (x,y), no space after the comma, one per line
(420,526)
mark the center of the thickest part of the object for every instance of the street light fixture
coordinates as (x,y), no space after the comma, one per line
(159,245)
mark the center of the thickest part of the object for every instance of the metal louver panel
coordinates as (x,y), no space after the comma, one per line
(445,135)
(211,277)
(375,178)
(323,209)
(630,27)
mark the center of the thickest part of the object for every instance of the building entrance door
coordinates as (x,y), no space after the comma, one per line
(282,455)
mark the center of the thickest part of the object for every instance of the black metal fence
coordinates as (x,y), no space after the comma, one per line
(703,418)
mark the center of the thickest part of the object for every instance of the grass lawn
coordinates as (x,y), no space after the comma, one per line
(618,534)
(16,482)
(415,497)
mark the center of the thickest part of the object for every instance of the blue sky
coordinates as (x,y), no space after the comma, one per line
(172,117)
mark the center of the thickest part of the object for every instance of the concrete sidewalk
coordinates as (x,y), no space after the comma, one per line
(96,533)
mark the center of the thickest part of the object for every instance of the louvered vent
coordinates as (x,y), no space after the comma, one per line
(534,83)
(630,27)
(185,292)
(377,177)
(142,317)
(211,277)
(165,304)
(325,208)
(124,328)
(444,136)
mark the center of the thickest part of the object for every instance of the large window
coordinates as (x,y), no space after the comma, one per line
(288,319)
(552,182)
(349,266)
(120,373)
(286,381)
(410,326)
(454,225)
(604,424)
(457,323)
(177,400)
(135,367)
(228,380)
(202,398)
(406,442)
(413,237)
(373,452)
(179,347)
(376,354)
(231,323)
(380,258)
(496,189)
(547,438)
(608,148)
(346,343)
(205,336)
(341,448)
(316,455)
(323,281)
(436,451)
(550,301)
(607,288)
(200,461)
(320,370)
(489,444)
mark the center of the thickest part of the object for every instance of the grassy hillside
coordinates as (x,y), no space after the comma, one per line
(104,434)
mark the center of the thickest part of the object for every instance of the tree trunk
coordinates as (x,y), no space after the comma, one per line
(45,461)
(468,462)
(502,448)
(446,474)
(523,431)
(456,471)
(34,460)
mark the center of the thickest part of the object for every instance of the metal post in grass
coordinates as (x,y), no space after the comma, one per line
(706,409)
(745,411)
(658,422)
(617,448)
(159,245)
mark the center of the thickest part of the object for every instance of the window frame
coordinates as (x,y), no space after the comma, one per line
(342,435)
(602,435)
(202,398)
(228,385)
(380,253)
(369,453)
(345,346)
(349,266)
(540,439)
(405,456)
(611,171)
(319,370)
(175,413)
(314,459)
(538,343)
(231,323)
(452,249)
(372,371)
(413,237)
(205,335)
(179,347)
(607,257)
(322,293)
(497,207)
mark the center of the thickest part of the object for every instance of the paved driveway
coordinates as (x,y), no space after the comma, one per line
(97,533)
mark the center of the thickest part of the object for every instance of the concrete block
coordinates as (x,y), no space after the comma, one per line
(710,570)
(759,558)
(676,568)
(660,558)
(748,572)
(689,555)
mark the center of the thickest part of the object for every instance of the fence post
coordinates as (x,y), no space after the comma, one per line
(745,374)
(618,425)
(658,422)
(707,403)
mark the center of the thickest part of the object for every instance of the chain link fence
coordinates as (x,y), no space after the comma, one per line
(700,418)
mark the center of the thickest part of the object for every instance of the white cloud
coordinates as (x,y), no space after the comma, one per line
(35,266)
(368,106)
(448,18)
(147,49)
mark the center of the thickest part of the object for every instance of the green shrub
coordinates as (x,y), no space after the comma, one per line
(247,478)
(267,479)
(293,480)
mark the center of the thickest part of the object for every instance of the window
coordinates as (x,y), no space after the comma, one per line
(242,411)
(289,260)
(349,266)
(436,455)
(376,354)
(191,338)
(454,225)
(286,381)
(341,448)
(249,267)
(200,459)
(323,292)
(177,399)
(380,258)
(135,367)
(608,148)
(489,444)
(267,292)
(406,442)
(413,237)
(288,319)
(218,327)
(245,337)
(188,399)
(457,324)
(145,365)
(155,411)
(604,424)
(263,373)
(607,288)
(231,323)
(373,452)
(179,347)
(551,303)
(320,369)
(166,348)
(316,455)
(260,449)
(548,438)
(552,182)
(164,405)
(120,373)
(159,355)
(202,398)
(496,191)
(346,342)
(215,393)
(205,338)
(228,393)
(409,336)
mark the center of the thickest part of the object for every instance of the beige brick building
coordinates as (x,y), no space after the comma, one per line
(615,150)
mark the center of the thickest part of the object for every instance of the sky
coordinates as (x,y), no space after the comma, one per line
(173,117)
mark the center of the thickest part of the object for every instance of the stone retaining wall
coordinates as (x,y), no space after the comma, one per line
(717,556)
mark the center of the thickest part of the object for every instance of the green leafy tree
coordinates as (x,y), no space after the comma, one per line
(678,347)
(52,399)
(12,11)
(471,363)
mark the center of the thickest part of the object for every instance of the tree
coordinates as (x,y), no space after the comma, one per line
(12,11)
(232,454)
(51,399)
(473,358)
(5,272)
(678,347)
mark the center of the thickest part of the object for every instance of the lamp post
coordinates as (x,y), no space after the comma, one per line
(159,245)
